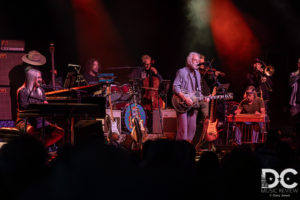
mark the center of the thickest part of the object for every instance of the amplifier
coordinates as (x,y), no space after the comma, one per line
(117,116)
(169,121)
(11,71)
(5,104)
(12,45)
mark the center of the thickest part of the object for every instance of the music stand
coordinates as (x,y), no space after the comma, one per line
(223,87)
(74,78)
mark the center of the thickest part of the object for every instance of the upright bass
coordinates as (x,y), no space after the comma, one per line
(151,99)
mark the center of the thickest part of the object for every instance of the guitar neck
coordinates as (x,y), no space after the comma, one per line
(211,117)
(212,106)
(212,97)
(110,105)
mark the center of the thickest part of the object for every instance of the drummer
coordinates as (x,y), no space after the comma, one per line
(91,71)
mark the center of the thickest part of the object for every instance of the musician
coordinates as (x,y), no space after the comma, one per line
(250,105)
(31,92)
(151,80)
(91,71)
(17,75)
(294,82)
(146,70)
(261,81)
(188,79)
(210,76)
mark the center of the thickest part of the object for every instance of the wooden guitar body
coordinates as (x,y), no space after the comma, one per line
(212,132)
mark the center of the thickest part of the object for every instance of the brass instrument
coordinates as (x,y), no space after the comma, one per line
(269,70)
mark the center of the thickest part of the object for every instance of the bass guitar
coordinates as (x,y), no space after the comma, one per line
(180,105)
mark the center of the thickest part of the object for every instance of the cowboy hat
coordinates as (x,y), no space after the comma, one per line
(34,58)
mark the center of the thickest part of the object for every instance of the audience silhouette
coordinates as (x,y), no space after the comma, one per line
(163,169)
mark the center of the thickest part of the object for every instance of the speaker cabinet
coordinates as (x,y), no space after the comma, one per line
(10,65)
(117,116)
(5,104)
(169,121)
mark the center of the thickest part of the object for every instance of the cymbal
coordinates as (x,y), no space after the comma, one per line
(107,77)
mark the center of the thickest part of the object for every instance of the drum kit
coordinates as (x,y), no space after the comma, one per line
(127,98)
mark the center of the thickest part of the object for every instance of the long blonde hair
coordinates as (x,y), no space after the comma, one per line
(31,77)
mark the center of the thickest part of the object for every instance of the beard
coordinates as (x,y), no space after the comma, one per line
(194,66)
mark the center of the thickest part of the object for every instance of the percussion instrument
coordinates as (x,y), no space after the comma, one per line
(131,111)
(115,92)
(126,92)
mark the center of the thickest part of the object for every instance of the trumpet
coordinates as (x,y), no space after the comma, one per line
(269,70)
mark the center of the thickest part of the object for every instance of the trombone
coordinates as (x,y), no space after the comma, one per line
(269,70)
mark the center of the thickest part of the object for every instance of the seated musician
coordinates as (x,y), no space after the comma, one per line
(91,71)
(250,105)
(31,92)
(146,70)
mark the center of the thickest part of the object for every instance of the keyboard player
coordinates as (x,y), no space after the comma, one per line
(31,92)
(251,104)
(91,71)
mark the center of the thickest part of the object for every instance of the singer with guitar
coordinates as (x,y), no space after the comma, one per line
(188,80)
(31,92)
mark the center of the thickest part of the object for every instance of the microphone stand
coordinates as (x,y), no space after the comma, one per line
(160,116)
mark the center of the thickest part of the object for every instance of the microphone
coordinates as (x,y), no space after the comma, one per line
(73,65)
(233,109)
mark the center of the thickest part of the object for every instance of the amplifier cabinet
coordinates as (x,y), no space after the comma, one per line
(169,121)
(5,104)
(10,67)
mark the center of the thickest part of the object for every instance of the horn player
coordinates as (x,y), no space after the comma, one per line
(262,82)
